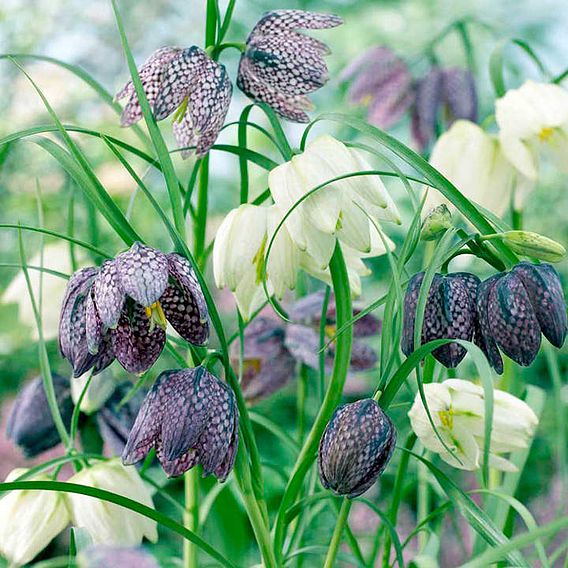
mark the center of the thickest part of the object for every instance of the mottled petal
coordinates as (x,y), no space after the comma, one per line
(108,294)
(409,316)
(93,326)
(143,273)
(136,341)
(303,343)
(459,94)
(544,288)
(278,21)
(427,103)
(177,467)
(224,468)
(513,321)
(363,357)
(485,340)
(389,103)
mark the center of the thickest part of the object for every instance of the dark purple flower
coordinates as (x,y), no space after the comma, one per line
(189,81)
(30,424)
(450,313)
(382,81)
(280,66)
(99,556)
(189,417)
(515,308)
(267,364)
(355,448)
(459,94)
(121,310)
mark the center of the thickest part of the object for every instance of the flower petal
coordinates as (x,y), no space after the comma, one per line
(109,296)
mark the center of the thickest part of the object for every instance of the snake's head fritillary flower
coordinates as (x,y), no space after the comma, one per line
(515,308)
(187,81)
(29,520)
(267,363)
(457,408)
(382,81)
(533,120)
(108,556)
(450,314)
(355,448)
(107,523)
(30,423)
(280,65)
(189,417)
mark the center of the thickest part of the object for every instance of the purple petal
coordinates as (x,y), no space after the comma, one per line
(177,467)
(485,340)
(459,94)
(109,296)
(427,103)
(363,357)
(143,273)
(224,468)
(278,21)
(303,343)
(93,326)
(391,102)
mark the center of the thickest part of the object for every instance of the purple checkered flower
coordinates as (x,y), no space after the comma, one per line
(189,417)
(280,66)
(355,448)
(121,310)
(515,308)
(450,314)
(187,81)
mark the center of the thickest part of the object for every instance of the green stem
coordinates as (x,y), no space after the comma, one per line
(200,226)
(191,516)
(341,362)
(336,538)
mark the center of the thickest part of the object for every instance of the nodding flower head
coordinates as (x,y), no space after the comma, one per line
(450,314)
(280,66)
(355,448)
(121,310)
(187,81)
(189,417)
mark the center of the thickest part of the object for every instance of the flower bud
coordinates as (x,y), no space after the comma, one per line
(30,424)
(106,522)
(532,244)
(355,448)
(109,556)
(437,222)
(29,520)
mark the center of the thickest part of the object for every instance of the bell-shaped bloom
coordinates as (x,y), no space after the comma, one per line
(116,418)
(121,310)
(239,254)
(107,523)
(110,556)
(355,448)
(533,119)
(341,209)
(280,65)
(515,308)
(189,81)
(451,90)
(457,408)
(382,81)
(189,417)
(267,363)
(30,424)
(475,163)
(29,520)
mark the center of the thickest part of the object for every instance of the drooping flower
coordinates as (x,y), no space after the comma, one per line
(355,448)
(30,424)
(450,313)
(239,256)
(515,308)
(189,417)
(121,310)
(381,80)
(533,119)
(457,408)
(110,556)
(280,66)
(29,520)
(189,81)
(475,163)
(107,523)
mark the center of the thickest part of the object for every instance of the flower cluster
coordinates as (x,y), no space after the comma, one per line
(189,417)
(382,80)
(29,520)
(272,349)
(457,408)
(278,67)
(507,312)
(121,310)
(345,210)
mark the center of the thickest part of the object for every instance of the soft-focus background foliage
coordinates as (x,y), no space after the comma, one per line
(84,33)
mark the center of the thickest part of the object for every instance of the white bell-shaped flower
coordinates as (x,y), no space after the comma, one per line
(533,119)
(106,522)
(29,520)
(457,408)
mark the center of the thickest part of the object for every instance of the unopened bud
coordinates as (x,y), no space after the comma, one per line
(534,245)
(436,223)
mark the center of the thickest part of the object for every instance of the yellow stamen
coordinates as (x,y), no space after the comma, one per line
(156,315)
(366,100)
(180,112)
(545,133)
(330,330)
(447,418)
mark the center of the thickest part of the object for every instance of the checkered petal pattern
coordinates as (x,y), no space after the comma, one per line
(459,94)
(429,91)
